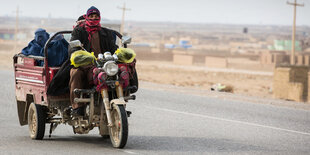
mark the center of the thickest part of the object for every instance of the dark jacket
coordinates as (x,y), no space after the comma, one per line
(60,83)
(107,39)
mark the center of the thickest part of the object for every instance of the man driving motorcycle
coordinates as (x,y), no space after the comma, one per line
(94,39)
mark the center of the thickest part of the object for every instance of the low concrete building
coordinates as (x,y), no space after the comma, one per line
(216,62)
(182,59)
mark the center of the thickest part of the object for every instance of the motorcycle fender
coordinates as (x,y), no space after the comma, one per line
(118,102)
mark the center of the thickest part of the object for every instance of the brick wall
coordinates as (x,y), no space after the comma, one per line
(280,59)
(216,62)
(291,82)
(308,93)
(300,60)
(274,58)
(182,59)
(266,58)
(307,60)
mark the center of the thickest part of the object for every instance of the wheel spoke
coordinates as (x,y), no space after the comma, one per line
(33,123)
(116,126)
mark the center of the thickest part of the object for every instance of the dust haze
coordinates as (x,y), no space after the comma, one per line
(190,55)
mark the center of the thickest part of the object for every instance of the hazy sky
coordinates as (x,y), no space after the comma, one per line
(275,12)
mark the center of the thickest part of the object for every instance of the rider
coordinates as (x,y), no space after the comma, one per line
(94,38)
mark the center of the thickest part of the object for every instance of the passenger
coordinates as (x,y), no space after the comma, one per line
(57,48)
(35,47)
(94,39)
(80,21)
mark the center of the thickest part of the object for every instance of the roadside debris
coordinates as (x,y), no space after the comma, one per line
(222,88)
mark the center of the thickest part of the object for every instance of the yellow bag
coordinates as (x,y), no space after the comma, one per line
(125,55)
(82,58)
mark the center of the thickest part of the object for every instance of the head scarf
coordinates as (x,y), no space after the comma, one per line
(92,25)
(41,36)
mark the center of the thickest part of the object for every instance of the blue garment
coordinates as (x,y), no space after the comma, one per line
(33,48)
(57,51)
(41,36)
(36,46)
(57,48)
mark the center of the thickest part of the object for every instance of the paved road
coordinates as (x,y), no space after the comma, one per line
(171,123)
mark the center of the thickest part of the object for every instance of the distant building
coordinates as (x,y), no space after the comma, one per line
(7,34)
(182,44)
(245,30)
(284,45)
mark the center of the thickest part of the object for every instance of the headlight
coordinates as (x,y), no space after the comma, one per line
(110,68)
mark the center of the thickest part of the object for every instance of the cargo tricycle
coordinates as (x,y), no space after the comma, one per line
(105,109)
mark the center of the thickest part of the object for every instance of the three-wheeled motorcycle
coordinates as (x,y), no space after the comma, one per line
(104,108)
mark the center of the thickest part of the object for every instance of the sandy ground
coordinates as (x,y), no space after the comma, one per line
(224,95)
(252,83)
(243,82)
(248,85)
(6,60)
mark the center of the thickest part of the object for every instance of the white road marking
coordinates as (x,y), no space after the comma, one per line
(128,152)
(229,120)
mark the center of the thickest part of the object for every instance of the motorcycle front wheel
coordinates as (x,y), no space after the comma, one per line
(119,130)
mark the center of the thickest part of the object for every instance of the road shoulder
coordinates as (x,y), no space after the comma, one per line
(225,96)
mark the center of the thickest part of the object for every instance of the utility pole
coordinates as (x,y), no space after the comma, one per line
(123,17)
(16,27)
(294,30)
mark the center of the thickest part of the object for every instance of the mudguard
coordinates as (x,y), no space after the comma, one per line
(118,102)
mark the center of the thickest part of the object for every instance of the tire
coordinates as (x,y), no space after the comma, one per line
(119,131)
(36,121)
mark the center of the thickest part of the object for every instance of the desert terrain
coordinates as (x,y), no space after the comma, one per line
(245,82)
(245,73)
(242,82)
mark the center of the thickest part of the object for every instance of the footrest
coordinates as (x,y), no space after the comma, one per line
(84,91)
(132,97)
(131,88)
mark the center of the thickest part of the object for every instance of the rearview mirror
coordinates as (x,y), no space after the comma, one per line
(126,40)
(75,43)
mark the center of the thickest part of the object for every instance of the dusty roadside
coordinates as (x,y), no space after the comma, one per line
(248,86)
(252,83)
(225,96)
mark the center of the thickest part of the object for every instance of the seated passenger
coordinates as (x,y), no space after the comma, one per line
(57,48)
(57,51)
(35,47)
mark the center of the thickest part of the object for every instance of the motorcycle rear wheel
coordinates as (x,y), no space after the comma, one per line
(119,131)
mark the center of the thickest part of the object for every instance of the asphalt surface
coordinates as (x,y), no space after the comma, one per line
(166,122)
